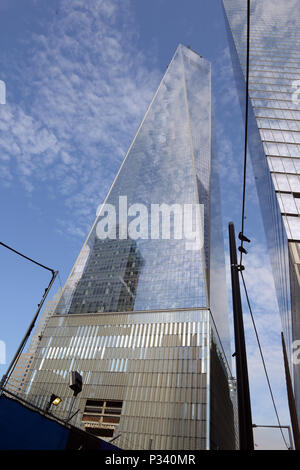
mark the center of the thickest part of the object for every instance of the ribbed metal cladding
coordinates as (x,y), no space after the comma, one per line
(157,368)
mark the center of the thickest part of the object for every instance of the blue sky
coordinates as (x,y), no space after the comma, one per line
(79,77)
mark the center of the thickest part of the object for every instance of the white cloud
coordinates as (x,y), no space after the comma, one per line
(84,90)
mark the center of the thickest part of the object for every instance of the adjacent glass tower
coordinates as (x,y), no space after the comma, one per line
(143,315)
(274,138)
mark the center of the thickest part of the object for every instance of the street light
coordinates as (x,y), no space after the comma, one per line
(75,384)
(54,400)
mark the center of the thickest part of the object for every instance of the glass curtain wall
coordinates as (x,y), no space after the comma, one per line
(274,138)
(143,315)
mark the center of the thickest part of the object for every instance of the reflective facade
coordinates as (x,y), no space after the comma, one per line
(144,319)
(274,138)
(17,379)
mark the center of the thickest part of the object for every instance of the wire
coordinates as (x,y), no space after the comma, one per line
(26,257)
(246,125)
(15,359)
(262,358)
(243,211)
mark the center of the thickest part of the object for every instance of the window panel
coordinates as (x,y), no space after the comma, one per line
(293,150)
(289,165)
(294,182)
(288,203)
(294,224)
(276,164)
(281,182)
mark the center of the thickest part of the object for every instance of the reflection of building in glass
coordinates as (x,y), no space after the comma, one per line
(155,366)
(109,281)
(19,375)
(49,310)
(274,138)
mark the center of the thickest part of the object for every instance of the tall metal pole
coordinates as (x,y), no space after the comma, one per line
(71,407)
(291,399)
(243,393)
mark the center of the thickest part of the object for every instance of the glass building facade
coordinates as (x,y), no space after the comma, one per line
(274,139)
(143,315)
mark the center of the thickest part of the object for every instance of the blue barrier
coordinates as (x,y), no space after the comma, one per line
(22,428)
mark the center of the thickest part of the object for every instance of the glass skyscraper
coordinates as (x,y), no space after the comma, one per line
(143,315)
(274,138)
